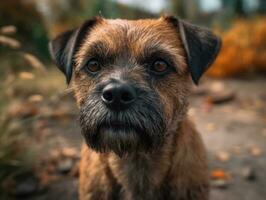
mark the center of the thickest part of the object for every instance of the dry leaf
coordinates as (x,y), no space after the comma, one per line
(255,151)
(223,156)
(210,127)
(219,174)
(34,61)
(70,152)
(36,98)
(241,54)
(22,109)
(8,30)
(217,87)
(10,42)
(26,75)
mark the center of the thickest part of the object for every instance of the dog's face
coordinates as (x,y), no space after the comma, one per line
(131,78)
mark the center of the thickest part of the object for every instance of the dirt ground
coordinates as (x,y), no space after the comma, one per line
(231,116)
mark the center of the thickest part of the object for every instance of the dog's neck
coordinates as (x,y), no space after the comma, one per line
(142,173)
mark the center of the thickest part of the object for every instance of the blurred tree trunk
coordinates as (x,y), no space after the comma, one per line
(239,8)
(24,15)
(234,7)
(178,7)
(60,15)
(262,7)
(192,7)
(188,9)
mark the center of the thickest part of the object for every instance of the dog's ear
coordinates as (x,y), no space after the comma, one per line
(64,47)
(200,44)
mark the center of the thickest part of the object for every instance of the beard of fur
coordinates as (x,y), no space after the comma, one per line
(139,128)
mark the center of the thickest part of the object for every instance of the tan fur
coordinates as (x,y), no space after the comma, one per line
(178,169)
(182,161)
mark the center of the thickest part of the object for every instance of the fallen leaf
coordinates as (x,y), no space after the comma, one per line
(34,61)
(26,75)
(22,109)
(210,127)
(223,156)
(70,152)
(217,86)
(219,174)
(8,30)
(255,151)
(35,98)
(10,42)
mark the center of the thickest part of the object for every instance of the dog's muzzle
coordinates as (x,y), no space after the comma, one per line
(123,118)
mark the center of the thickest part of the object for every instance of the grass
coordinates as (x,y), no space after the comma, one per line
(17,149)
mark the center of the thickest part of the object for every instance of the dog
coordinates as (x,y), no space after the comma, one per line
(131,81)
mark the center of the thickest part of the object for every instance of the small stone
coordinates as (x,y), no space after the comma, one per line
(27,187)
(217,86)
(221,184)
(210,127)
(65,165)
(255,151)
(249,174)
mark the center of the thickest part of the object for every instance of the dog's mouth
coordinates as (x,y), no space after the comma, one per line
(138,128)
(117,126)
(120,138)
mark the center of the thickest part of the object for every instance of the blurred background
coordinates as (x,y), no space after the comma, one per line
(39,133)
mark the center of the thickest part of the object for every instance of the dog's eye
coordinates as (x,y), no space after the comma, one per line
(159,67)
(93,66)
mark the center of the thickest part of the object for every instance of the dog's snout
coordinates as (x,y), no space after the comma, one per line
(118,95)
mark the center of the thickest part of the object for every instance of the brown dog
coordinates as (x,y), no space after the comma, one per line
(131,81)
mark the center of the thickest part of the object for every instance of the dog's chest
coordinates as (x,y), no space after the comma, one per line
(140,177)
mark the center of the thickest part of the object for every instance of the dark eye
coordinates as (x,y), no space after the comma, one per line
(93,66)
(159,67)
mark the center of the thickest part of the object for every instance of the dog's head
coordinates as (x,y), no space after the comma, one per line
(131,78)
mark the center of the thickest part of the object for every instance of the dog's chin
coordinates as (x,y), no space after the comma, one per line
(122,140)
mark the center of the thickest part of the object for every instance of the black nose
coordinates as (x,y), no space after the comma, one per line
(118,95)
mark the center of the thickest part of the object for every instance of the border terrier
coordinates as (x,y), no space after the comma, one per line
(131,81)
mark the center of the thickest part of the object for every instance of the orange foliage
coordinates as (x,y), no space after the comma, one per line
(243,49)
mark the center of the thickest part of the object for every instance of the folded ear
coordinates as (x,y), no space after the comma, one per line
(200,44)
(64,47)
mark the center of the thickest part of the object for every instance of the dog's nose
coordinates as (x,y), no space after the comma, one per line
(118,95)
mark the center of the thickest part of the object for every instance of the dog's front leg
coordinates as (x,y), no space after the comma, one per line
(96,182)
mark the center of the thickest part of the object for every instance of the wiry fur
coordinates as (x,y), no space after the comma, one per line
(178,170)
(149,151)
(173,170)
